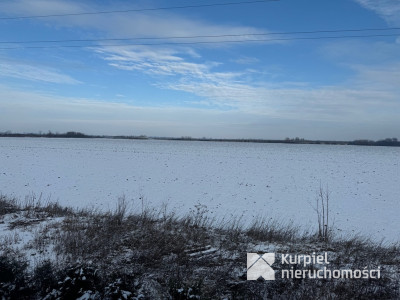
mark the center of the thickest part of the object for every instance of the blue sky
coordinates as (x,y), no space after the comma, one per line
(341,89)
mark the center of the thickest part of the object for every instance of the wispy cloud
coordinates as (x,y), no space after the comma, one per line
(325,103)
(161,61)
(381,77)
(35,73)
(371,89)
(389,10)
(39,7)
(143,24)
(198,78)
(373,70)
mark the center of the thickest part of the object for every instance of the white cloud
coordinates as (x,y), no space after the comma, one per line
(389,10)
(43,111)
(381,77)
(312,114)
(373,89)
(374,70)
(318,104)
(125,25)
(39,7)
(35,73)
(150,60)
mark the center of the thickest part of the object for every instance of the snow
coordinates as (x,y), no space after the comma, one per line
(224,179)
(22,236)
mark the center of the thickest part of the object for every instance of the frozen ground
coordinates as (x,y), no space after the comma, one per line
(275,180)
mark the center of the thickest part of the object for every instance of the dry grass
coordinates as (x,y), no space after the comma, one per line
(144,253)
(270,230)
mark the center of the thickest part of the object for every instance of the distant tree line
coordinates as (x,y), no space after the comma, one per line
(69,134)
(74,134)
(385,142)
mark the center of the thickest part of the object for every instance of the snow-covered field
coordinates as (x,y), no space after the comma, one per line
(249,179)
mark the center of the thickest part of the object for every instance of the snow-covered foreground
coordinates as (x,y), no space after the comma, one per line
(274,180)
